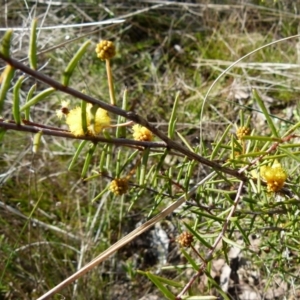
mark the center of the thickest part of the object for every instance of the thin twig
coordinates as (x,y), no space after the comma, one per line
(217,241)
(127,114)
(232,211)
(46,130)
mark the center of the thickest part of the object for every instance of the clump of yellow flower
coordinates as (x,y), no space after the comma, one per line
(141,133)
(119,186)
(242,131)
(275,176)
(74,121)
(185,239)
(105,50)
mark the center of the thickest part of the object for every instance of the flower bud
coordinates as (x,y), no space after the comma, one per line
(105,50)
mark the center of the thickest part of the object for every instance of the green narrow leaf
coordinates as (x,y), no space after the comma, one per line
(83,117)
(217,286)
(103,158)
(157,201)
(220,191)
(94,176)
(32,46)
(5,43)
(161,160)
(99,196)
(36,141)
(265,112)
(129,160)
(118,163)
(253,154)
(88,158)
(151,173)
(169,282)
(164,280)
(219,143)
(212,217)
(248,121)
(261,138)
(29,96)
(290,154)
(185,142)
(246,239)
(2,133)
(172,122)
(108,157)
(232,143)
(136,197)
(232,243)
(195,233)
(144,166)
(73,63)
(209,267)
(190,259)
(170,179)
(294,145)
(160,286)
(189,174)
(16,100)
(182,169)
(292,129)
(242,118)
(75,157)
(5,80)
(44,94)
(172,127)
(121,131)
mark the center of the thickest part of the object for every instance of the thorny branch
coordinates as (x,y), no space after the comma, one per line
(127,114)
(34,128)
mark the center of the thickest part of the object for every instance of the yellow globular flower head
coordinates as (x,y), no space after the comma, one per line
(275,176)
(242,131)
(74,121)
(119,186)
(105,50)
(141,133)
(185,239)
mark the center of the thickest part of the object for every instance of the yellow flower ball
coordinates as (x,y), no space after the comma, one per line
(141,133)
(105,50)
(275,176)
(74,121)
(242,131)
(119,186)
(185,239)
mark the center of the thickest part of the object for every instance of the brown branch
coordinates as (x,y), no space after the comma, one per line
(127,114)
(11,125)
